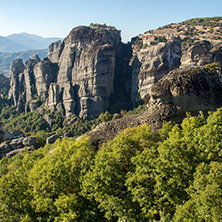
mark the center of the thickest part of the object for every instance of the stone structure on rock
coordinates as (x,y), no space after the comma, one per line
(151,63)
(202,53)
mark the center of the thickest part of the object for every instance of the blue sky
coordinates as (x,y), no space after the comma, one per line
(54,18)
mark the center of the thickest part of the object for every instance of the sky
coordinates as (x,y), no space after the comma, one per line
(56,18)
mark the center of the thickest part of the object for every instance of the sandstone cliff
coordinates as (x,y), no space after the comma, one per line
(92,70)
(188,89)
(151,62)
(77,77)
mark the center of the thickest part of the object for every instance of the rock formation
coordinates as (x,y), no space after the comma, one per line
(10,148)
(81,75)
(188,89)
(150,63)
(76,78)
(201,53)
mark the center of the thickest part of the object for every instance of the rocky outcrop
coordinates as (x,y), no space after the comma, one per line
(10,148)
(86,71)
(150,63)
(14,152)
(188,89)
(76,78)
(52,139)
(201,53)
(82,74)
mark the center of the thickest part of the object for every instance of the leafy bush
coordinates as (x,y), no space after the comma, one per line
(211,68)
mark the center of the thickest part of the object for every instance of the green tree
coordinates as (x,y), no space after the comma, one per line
(206,191)
(106,181)
(55,182)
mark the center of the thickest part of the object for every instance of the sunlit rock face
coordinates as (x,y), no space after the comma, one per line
(150,63)
(77,77)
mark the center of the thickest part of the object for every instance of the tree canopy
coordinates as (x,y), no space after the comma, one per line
(172,175)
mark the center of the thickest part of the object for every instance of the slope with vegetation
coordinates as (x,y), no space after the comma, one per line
(197,28)
(173,175)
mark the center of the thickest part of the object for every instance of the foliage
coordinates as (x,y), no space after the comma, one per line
(172,175)
(214,21)
(188,41)
(211,68)
(25,123)
(162,39)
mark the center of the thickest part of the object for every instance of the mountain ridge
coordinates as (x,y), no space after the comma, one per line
(24,42)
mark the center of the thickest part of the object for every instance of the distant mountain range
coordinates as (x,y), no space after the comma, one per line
(24,42)
(6,58)
(24,46)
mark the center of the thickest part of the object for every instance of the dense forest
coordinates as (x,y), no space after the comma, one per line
(172,175)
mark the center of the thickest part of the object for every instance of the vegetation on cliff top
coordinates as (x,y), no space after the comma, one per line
(201,28)
(173,175)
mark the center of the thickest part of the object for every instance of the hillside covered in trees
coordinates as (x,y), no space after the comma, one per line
(172,175)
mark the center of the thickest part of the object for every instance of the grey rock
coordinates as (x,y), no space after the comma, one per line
(52,138)
(40,110)
(47,119)
(67,135)
(5,147)
(72,121)
(14,152)
(188,89)
(34,104)
(17,143)
(54,51)
(29,141)
(76,78)
(151,64)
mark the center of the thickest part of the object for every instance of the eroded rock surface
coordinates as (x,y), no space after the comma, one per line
(150,63)
(76,78)
(188,89)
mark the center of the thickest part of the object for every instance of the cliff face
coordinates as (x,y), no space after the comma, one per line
(76,78)
(150,63)
(201,53)
(187,89)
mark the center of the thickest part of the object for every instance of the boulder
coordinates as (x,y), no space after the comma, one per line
(52,138)
(29,141)
(17,143)
(14,152)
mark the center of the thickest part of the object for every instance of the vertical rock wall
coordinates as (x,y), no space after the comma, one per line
(76,78)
